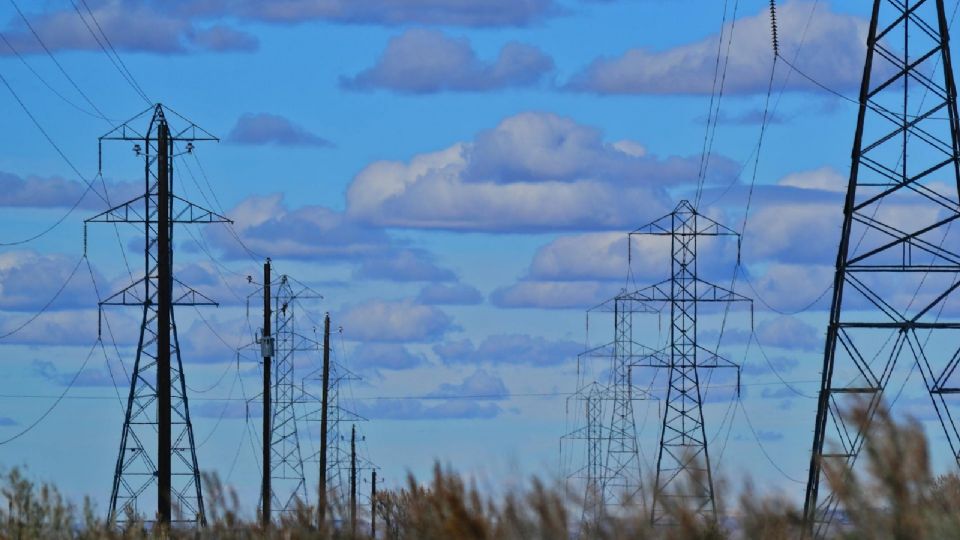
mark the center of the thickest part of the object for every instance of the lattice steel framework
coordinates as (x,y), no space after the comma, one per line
(590,400)
(683,461)
(157,444)
(897,264)
(613,472)
(338,445)
(288,483)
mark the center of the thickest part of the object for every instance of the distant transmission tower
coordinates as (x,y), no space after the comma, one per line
(157,445)
(683,462)
(897,268)
(612,474)
(287,472)
(589,400)
(334,462)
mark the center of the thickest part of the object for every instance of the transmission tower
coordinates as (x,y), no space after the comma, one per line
(336,460)
(589,400)
(157,445)
(287,471)
(683,461)
(896,270)
(612,473)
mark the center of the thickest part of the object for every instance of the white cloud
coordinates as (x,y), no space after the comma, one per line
(423,61)
(534,171)
(833,49)
(393,321)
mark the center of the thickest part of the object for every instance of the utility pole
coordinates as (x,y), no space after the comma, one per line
(353,480)
(266,349)
(324,400)
(164,309)
(373,504)
(906,155)
(157,410)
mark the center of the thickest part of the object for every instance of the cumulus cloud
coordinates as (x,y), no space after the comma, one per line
(553,294)
(76,327)
(390,356)
(789,333)
(456,294)
(34,191)
(265,128)
(407,409)
(394,321)
(833,49)
(509,349)
(605,256)
(130,26)
(86,378)
(472,13)
(423,61)
(534,171)
(478,384)
(29,280)
(267,225)
(403,265)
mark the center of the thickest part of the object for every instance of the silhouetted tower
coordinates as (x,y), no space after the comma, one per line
(587,440)
(683,461)
(622,477)
(157,445)
(897,262)
(289,483)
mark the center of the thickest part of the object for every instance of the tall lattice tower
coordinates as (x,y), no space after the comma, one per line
(612,474)
(683,461)
(590,400)
(339,418)
(157,445)
(897,264)
(288,483)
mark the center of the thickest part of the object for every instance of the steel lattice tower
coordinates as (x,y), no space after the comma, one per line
(289,484)
(338,451)
(612,473)
(157,445)
(896,270)
(683,461)
(589,399)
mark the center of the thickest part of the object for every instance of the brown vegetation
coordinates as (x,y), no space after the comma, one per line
(896,496)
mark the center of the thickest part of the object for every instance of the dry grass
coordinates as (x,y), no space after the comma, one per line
(895,496)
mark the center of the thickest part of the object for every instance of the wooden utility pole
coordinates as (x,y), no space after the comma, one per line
(324,401)
(353,480)
(164,309)
(373,504)
(266,349)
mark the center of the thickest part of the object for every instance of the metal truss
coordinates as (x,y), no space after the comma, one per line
(157,445)
(897,264)
(288,481)
(589,399)
(339,419)
(683,461)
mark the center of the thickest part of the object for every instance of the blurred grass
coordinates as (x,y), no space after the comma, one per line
(894,495)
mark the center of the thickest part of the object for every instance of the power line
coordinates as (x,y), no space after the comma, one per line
(57,62)
(56,402)
(49,303)
(122,67)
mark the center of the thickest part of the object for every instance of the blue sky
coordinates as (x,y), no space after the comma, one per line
(457,178)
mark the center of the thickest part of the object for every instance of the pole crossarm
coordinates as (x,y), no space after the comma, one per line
(182,212)
(135,294)
(664,226)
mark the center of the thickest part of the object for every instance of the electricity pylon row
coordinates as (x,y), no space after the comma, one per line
(613,475)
